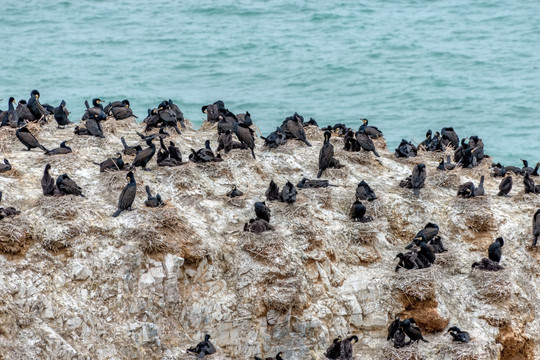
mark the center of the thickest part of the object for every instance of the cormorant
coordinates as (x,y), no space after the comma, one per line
(399,339)
(365,142)
(365,192)
(234,192)
(535,170)
(130,150)
(426,143)
(358,212)
(412,330)
(437,245)
(334,350)
(245,134)
(498,170)
(372,131)
(536,226)
(258,226)
(306,183)
(351,144)
(278,357)
(24,112)
(272,193)
(203,348)
(505,186)
(153,201)
(96,111)
(449,136)
(429,232)
(408,261)
(262,211)
(204,155)
(479,191)
(111,164)
(24,135)
(487,265)
(94,127)
(394,326)
(418,178)
(516,170)
(458,335)
(529,184)
(61,115)
(127,195)
(226,143)
(326,154)
(466,190)
(446,165)
(288,193)
(47,182)
(427,252)
(143,157)
(494,250)
(11,117)
(275,139)
(66,186)
(179,114)
(6,166)
(406,149)
(212,113)
(311,122)
(294,128)
(35,106)
(121,112)
(63,149)
(346,347)
(8,211)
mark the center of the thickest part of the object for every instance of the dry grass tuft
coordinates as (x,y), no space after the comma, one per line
(446,259)
(448,179)
(419,283)
(457,351)
(8,140)
(263,247)
(475,214)
(493,285)
(148,240)
(59,207)
(55,245)
(405,353)
(113,180)
(16,236)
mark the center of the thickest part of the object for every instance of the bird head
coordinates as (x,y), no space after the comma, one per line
(207,337)
(35,93)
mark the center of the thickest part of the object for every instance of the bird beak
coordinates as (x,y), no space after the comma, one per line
(205,111)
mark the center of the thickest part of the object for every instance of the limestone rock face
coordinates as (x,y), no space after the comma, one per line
(76,283)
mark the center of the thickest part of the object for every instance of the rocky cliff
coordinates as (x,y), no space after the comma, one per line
(76,283)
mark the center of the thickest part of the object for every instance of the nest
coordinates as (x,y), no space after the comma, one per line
(148,240)
(59,207)
(8,140)
(55,245)
(457,351)
(283,295)
(447,179)
(475,214)
(404,353)
(446,259)
(264,246)
(113,180)
(15,236)
(493,285)
(418,284)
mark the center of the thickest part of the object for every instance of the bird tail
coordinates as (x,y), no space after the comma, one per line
(319,174)
(148,193)
(500,193)
(376,153)
(307,143)
(253,153)
(117,212)
(416,191)
(86,104)
(43,148)
(535,240)
(424,340)
(124,142)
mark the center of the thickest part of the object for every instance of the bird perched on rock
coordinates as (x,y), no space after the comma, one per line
(35,106)
(96,111)
(143,157)
(258,226)
(418,178)
(346,352)
(334,350)
(394,326)
(466,190)
(293,127)
(458,335)
(528,183)
(306,183)
(204,155)
(262,211)
(61,115)
(406,149)
(487,265)
(275,139)
(365,192)
(245,135)
(111,164)
(326,154)
(66,186)
(130,150)
(226,143)
(358,212)
(28,140)
(372,131)
(63,149)
(203,348)
(234,192)
(410,329)
(48,184)
(536,226)
(494,250)
(153,201)
(505,186)
(272,193)
(288,193)
(277,357)
(8,211)
(449,137)
(479,191)
(366,143)
(127,196)
(6,166)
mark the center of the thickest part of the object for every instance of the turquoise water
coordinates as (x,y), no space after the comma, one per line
(406,66)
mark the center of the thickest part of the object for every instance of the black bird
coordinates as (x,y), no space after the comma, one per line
(294,128)
(47,182)
(275,139)
(505,186)
(179,114)
(429,232)
(96,111)
(426,143)
(272,193)
(278,357)
(235,192)
(203,348)
(449,136)
(516,170)
(466,190)
(350,142)
(94,127)
(6,166)
(111,164)
(394,326)
(412,330)
(458,335)
(358,212)
(499,170)
(127,196)
(226,143)
(204,155)
(11,117)
(245,134)
(372,131)
(334,350)
(346,347)
(427,252)
(479,191)
(24,112)
(288,193)
(306,183)
(437,245)
(529,184)
(8,211)
(418,178)
(365,192)
(326,154)
(24,135)
(153,201)
(174,152)
(409,261)
(35,106)
(536,226)
(258,226)
(494,250)
(66,186)
(143,157)
(399,339)
(121,112)
(535,170)
(130,150)
(61,115)
(365,142)
(487,265)
(262,211)
(63,149)
(311,122)
(406,149)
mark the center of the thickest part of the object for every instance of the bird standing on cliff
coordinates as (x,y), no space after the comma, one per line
(127,196)
(334,349)
(418,178)
(505,186)
(536,227)
(494,250)
(24,136)
(410,329)
(458,335)
(203,348)
(326,155)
